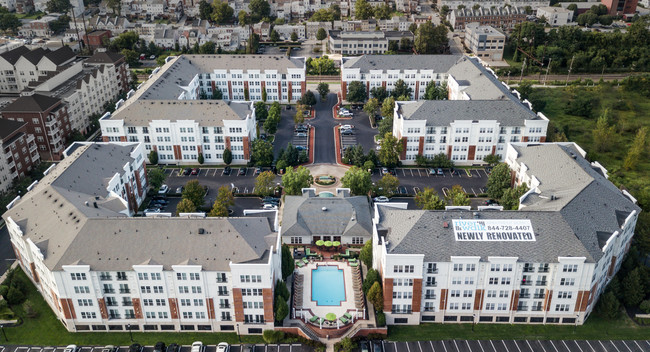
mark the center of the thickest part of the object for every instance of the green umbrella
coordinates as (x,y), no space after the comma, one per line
(330,316)
(336,243)
(320,242)
(328,243)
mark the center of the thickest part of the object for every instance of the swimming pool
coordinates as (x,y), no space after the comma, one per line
(327,286)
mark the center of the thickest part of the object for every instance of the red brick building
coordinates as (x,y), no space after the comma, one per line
(620,7)
(19,154)
(47,120)
(95,39)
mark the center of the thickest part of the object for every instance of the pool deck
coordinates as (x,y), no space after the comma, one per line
(311,308)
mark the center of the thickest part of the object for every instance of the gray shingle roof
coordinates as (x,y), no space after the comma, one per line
(205,112)
(13,55)
(444,112)
(31,103)
(8,127)
(437,63)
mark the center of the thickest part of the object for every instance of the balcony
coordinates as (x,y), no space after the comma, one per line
(223,293)
(254,322)
(222,280)
(429,309)
(524,295)
(113,316)
(226,318)
(121,278)
(522,308)
(127,303)
(540,283)
(224,306)
(109,290)
(542,269)
(529,269)
(431,284)
(539,296)
(536,308)
(402,311)
(526,282)
(111,304)
(125,290)
(432,270)
(429,296)
(49,123)
(129,316)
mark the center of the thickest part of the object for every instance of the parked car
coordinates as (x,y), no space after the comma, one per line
(301,134)
(195,171)
(173,347)
(159,201)
(71,348)
(346,127)
(346,113)
(402,190)
(381,199)
(179,190)
(258,170)
(223,347)
(392,172)
(288,107)
(271,198)
(347,132)
(197,346)
(491,202)
(187,171)
(151,211)
(226,171)
(246,348)
(271,201)
(242,172)
(439,171)
(432,171)
(109,348)
(269,207)
(306,113)
(363,346)
(159,347)
(384,170)
(300,148)
(135,347)
(163,189)
(377,346)
(152,57)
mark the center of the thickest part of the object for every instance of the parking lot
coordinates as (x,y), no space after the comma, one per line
(186,348)
(518,346)
(416,179)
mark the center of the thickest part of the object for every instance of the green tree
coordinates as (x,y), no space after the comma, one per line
(287,262)
(362,10)
(430,39)
(261,113)
(457,196)
(130,56)
(321,34)
(322,66)
(261,153)
(444,10)
(633,292)
(405,44)
(356,90)
(371,106)
(264,183)
(637,149)
(379,93)
(126,40)
(259,9)
(194,192)
(218,211)
(383,11)
(185,206)
(308,98)
(274,36)
(371,277)
(156,178)
(294,181)
(510,198)
(498,181)
(299,116)
(294,36)
(225,197)
(365,256)
(243,18)
(153,157)
(207,48)
(227,156)
(15,296)
(9,22)
(205,10)
(525,88)
(429,200)
(357,180)
(115,5)
(322,15)
(281,310)
(387,109)
(587,19)
(401,89)
(376,296)
(609,307)
(603,135)
(388,185)
(60,6)
(347,345)
(323,90)
(492,159)
(390,150)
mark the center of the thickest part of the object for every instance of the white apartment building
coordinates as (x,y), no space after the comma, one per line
(375,42)
(555,16)
(485,42)
(453,4)
(313,27)
(180,130)
(102,270)
(464,130)
(20,66)
(548,262)
(285,31)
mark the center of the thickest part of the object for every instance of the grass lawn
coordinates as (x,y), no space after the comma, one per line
(594,329)
(47,330)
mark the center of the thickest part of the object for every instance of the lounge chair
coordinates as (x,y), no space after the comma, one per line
(347,254)
(353,264)
(313,319)
(305,260)
(343,320)
(352,260)
(300,264)
(308,253)
(347,316)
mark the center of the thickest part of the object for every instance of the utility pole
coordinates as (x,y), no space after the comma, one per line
(568,73)
(76,28)
(602,74)
(548,67)
(522,70)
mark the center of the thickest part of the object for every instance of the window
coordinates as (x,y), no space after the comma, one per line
(567,282)
(145,289)
(196,289)
(458,267)
(155,276)
(470,267)
(143,276)
(85,302)
(198,302)
(505,281)
(194,276)
(181,276)
(147,302)
(78,276)
(570,268)
(81,289)
(183,289)
(455,293)
(561,307)
(495,267)
(357,240)
(494,280)
(491,293)
(185,302)
(564,294)
(468,293)
(469,280)
(160,302)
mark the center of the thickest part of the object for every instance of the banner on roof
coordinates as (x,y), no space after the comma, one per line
(493,230)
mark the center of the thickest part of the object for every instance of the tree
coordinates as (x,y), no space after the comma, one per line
(457,196)
(388,185)
(225,197)
(60,6)
(299,117)
(207,48)
(185,206)
(357,180)
(636,150)
(156,178)
(322,15)
(274,36)
(609,307)
(222,12)
(371,106)
(603,134)
(365,256)
(390,150)
(323,90)
(218,211)
(633,292)
(243,18)
(347,345)
(115,5)
(271,124)
(227,156)
(261,113)
(153,157)
(15,296)
(510,198)
(205,10)
(321,66)
(498,181)
(383,12)
(321,34)
(444,10)
(387,109)
(587,19)
(405,44)
(401,89)
(130,56)
(9,22)
(259,9)
(430,39)
(379,93)
(194,192)
(429,200)
(126,40)
(362,10)
(264,183)
(435,91)
(308,98)
(294,36)
(281,310)
(492,159)
(294,181)
(376,296)
(261,153)
(287,262)
(356,90)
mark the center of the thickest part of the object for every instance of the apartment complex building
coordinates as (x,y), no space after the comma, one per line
(47,120)
(375,42)
(485,42)
(453,4)
(100,269)
(180,130)
(555,16)
(19,152)
(620,7)
(548,262)
(499,17)
(20,66)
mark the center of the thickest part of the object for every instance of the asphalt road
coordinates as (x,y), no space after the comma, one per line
(518,346)
(416,179)
(7,255)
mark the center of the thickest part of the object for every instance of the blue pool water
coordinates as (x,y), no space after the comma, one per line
(327,287)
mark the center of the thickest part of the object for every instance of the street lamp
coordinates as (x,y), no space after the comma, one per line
(576,326)
(128,326)
(238,335)
(2,327)
(473,321)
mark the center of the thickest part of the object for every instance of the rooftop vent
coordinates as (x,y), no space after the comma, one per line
(324,208)
(445,224)
(201,231)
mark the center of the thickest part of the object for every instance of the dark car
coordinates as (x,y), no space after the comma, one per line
(173,347)
(187,171)
(288,107)
(136,347)
(491,202)
(242,172)
(271,198)
(159,201)
(159,347)
(227,170)
(392,172)
(402,190)
(247,348)
(271,201)
(363,346)
(377,346)
(195,171)
(258,170)
(347,132)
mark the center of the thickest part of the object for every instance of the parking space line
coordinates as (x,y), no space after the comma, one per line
(590,346)
(493,347)
(504,345)
(456,344)
(566,346)
(420,346)
(481,346)
(612,342)
(529,346)
(580,348)
(431,343)
(637,344)
(443,346)
(628,347)
(407,346)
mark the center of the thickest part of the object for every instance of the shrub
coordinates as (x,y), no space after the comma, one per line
(30,312)
(3,305)
(645,306)
(4,289)
(15,296)
(381,318)
(371,277)
(272,336)
(281,290)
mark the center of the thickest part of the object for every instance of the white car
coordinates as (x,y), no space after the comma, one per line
(269,207)
(381,199)
(347,127)
(163,189)
(71,348)
(149,211)
(223,347)
(345,113)
(197,346)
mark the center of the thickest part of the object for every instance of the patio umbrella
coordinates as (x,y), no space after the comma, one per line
(328,243)
(330,316)
(336,243)
(320,242)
